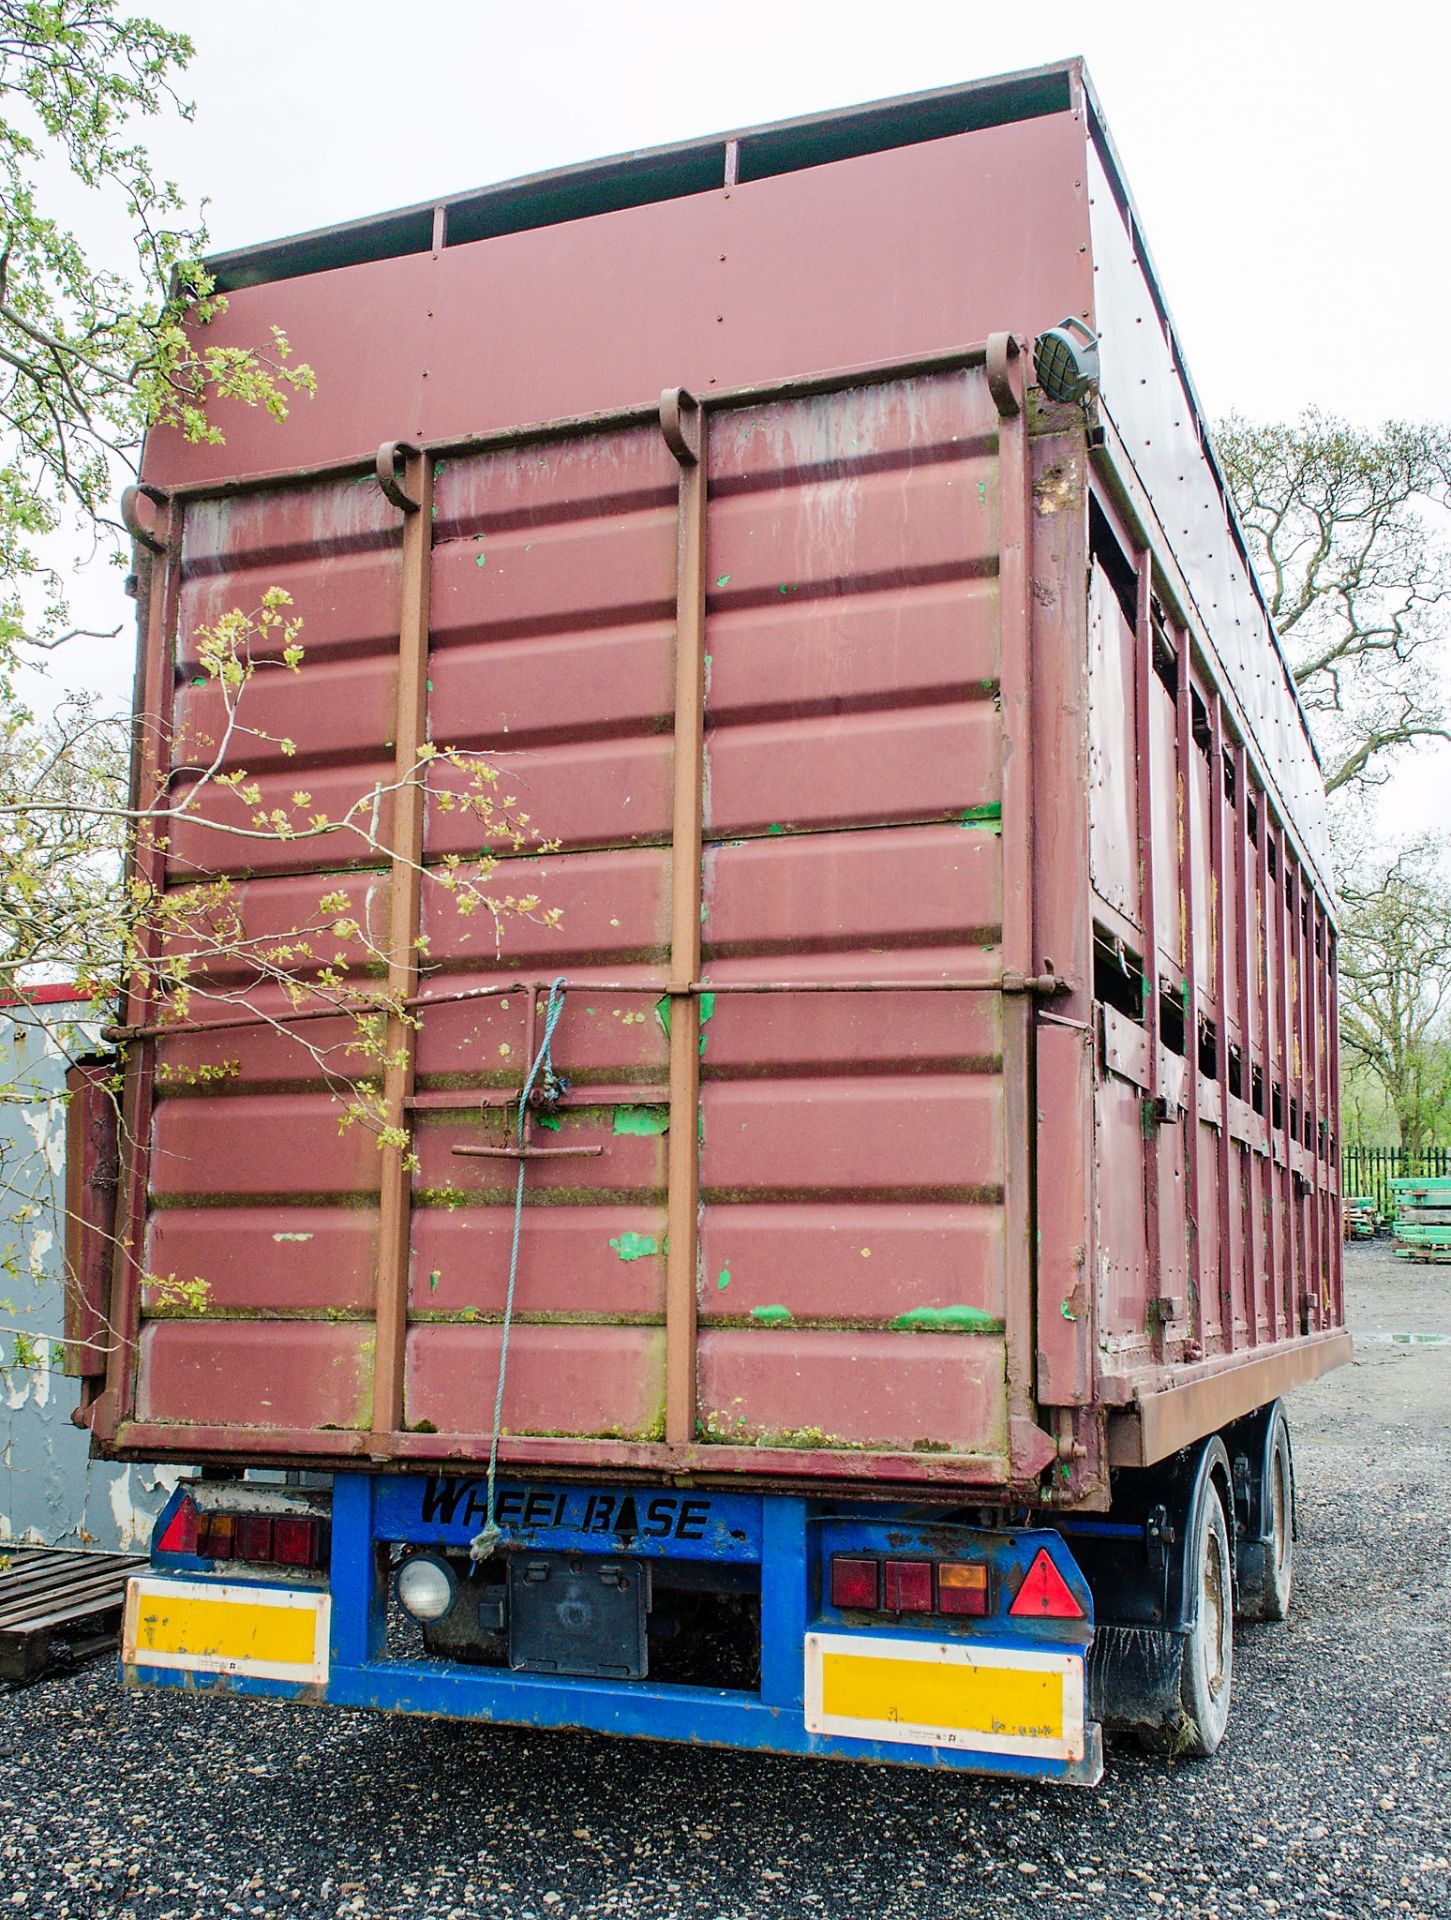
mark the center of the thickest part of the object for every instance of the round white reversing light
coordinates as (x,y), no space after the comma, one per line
(426,1587)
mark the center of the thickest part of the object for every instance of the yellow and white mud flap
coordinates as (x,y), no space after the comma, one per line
(212,1626)
(1010,1700)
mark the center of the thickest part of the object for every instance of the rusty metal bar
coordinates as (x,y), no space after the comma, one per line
(1221,930)
(527,1153)
(1184,751)
(682,424)
(1308,1009)
(1046,986)
(1144,824)
(1005,376)
(1264,925)
(158,613)
(414,497)
(1333,1173)
(1243,900)
(1291,1275)
(607,420)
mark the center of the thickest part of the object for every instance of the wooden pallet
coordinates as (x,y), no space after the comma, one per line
(57,1603)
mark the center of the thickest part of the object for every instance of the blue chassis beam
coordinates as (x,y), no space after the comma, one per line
(769,1722)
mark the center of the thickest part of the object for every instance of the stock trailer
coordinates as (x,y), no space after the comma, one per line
(819,1257)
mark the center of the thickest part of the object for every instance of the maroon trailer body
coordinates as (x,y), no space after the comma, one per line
(935,867)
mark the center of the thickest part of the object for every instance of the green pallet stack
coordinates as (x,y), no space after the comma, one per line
(1360,1218)
(1423,1219)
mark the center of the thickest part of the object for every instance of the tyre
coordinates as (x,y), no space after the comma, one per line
(1267,1568)
(1207,1661)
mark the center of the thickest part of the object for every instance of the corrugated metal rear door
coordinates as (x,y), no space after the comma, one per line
(859,1247)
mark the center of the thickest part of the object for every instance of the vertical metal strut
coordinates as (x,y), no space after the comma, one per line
(159,607)
(413,495)
(682,422)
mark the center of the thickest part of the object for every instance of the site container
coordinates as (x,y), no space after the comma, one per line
(925,982)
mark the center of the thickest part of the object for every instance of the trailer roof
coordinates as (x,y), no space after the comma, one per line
(657,173)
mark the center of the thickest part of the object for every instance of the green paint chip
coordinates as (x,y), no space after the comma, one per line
(1067,1311)
(644,1120)
(989,816)
(549,1122)
(433,1280)
(723,580)
(662,1013)
(774,1316)
(948,1320)
(707,1008)
(635,1246)
(481,560)
(725,1279)
(775,827)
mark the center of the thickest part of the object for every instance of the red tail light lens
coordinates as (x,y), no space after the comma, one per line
(181,1529)
(297,1541)
(962,1588)
(254,1536)
(1045,1594)
(854,1583)
(908,1586)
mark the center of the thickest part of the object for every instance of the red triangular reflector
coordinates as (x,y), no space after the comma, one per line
(180,1534)
(1045,1594)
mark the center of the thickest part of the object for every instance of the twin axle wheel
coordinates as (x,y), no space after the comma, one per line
(1219,1531)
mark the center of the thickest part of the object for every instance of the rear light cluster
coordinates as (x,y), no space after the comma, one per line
(266,1539)
(909,1586)
(860,1584)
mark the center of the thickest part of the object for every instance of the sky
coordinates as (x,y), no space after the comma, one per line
(1287,158)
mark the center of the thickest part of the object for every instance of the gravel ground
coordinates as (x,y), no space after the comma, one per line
(1331,1797)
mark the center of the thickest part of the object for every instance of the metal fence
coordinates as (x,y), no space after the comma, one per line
(1368,1171)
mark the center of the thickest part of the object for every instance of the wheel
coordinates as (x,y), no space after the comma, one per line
(1209,1643)
(1207,1661)
(1267,1568)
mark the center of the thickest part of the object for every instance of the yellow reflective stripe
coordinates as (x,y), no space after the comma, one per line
(1010,1701)
(226,1630)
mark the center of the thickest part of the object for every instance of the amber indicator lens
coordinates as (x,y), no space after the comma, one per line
(908,1585)
(962,1588)
(218,1536)
(854,1583)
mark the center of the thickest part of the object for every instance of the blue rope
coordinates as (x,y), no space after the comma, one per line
(489,1536)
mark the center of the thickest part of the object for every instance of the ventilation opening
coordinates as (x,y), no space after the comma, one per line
(1252,819)
(1117,568)
(1234,1069)
(1277,1107)
(1166,660)
(1118,975)
(1257,1090)
(1273,862)
(1171,1016)
(1231,783)
(1208,1050)
(1199,723)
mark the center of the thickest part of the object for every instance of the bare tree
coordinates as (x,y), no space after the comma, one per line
(1395,975)
(1341,525)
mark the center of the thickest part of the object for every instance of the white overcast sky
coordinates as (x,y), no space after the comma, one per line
(1289,159)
